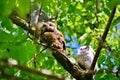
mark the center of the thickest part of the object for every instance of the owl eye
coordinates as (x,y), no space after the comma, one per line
(87,47)
(81,49)
(50,24)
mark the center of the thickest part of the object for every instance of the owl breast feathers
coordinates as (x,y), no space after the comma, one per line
(51,36)
(85,57)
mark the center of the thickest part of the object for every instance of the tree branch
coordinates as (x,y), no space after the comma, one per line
(22,23)
(13,63)
(62,57)
(103,38)
(9,77)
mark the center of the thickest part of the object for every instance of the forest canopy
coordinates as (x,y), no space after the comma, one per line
(94,23)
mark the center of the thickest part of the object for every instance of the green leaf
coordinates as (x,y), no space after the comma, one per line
(4,50)
(23,7)
(107,11)
(7,24)
(6,7)
(113,3)
(5,37)
(22,52)
(116,21)
(101,58)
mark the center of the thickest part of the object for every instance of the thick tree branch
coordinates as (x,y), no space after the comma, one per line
(62,57)
(103,38)
(22,23)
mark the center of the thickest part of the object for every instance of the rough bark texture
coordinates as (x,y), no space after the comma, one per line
(61,56)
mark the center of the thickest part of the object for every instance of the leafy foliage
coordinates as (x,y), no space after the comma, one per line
(84,20)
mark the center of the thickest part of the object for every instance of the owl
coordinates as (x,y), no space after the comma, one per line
(85,57)
(46,30)
(53,37)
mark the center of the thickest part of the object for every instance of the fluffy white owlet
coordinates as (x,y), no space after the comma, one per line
(85,57)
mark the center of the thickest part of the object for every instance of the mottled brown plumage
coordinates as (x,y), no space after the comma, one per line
(46,30)
(51,36)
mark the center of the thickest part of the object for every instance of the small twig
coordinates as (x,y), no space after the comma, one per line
(96,12)
(107,46)
(103,38)
(36,55)
(29,18)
